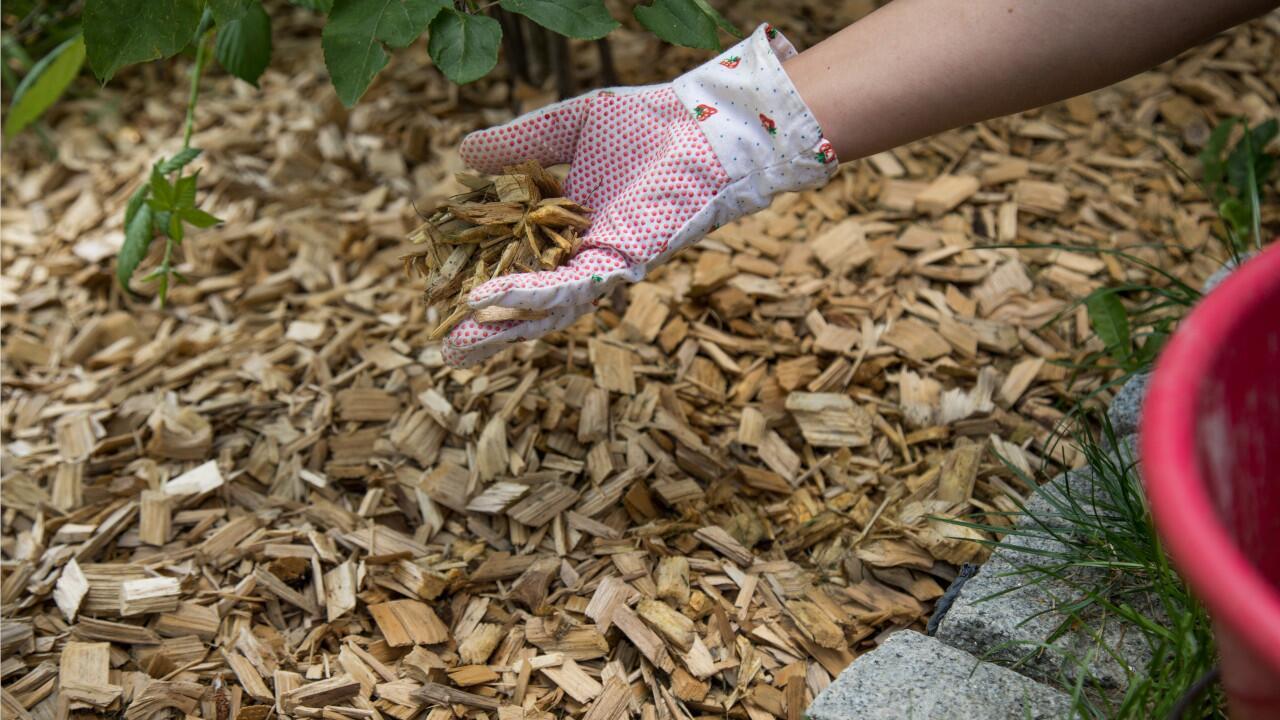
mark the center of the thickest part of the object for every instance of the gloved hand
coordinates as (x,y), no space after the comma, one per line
(661,166)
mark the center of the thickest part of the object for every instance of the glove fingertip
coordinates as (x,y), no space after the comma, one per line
(480,152)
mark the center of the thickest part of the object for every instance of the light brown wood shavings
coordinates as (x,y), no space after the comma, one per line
(702,500)
(516,222)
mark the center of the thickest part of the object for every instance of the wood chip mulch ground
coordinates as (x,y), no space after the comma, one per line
(272,498)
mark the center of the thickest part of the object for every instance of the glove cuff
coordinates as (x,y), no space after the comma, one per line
(753,117)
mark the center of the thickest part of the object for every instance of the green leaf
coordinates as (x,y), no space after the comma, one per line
(185,192)
(44,84)
(122,32)
(175,227)
(1238,165)
(1264,133)
(244,45)
(1151,347)
(137,241)
(1249,150)
(162,292)
(1110,321)
(356,31)
(585,19)
(720,20)
(162,193)
(179,161)
(226,11)
(680,22)
(136,200)
(1237,214)
(464,47)
(160,220)
(1211,156)
(323,6)
(199,218)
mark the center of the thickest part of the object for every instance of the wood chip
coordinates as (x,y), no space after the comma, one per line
(406,622)
(703,498)
(829,419)
(945,193)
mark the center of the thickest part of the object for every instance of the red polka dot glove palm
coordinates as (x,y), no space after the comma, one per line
(661,166)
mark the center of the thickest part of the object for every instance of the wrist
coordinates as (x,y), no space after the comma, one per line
(807,77)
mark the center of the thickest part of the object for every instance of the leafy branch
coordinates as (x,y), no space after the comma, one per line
(357,39)
(162,206)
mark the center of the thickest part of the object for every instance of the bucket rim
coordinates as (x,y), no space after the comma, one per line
(1238,598)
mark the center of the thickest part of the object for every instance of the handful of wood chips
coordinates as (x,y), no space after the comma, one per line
(516,222)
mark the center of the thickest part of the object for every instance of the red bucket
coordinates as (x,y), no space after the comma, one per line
(1210,447)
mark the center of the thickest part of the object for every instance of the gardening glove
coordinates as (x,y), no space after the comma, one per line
(660,166)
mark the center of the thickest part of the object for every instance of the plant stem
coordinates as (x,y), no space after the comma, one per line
(165,269)
(202,46)
(202,53)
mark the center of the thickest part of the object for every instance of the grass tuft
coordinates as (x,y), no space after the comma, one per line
(1101,545)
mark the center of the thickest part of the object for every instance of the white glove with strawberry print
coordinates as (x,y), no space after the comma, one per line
(661,166)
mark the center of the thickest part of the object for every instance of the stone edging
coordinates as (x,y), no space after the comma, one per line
(977,666)
(983,661)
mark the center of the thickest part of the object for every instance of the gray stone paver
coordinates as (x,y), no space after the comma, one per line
(916,677)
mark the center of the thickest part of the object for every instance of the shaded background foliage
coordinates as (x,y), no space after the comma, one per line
(50,43)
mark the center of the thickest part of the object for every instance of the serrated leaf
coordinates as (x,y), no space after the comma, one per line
(184,196)
(464,47)
(44,84)
(175,227)
(178,161)
(122,32)
(200,218)
(354,36)
(680,22)
(244,45)
(719,19)
(1110,322)
(585,19)
(162,193)
(225,11)
(137,241)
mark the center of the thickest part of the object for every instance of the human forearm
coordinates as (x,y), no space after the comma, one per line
(918,67)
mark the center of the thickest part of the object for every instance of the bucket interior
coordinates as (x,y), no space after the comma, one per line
(1238,434)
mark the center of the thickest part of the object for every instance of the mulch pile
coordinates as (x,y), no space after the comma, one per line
(706,498)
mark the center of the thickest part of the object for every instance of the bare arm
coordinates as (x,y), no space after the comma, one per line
(917,67)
